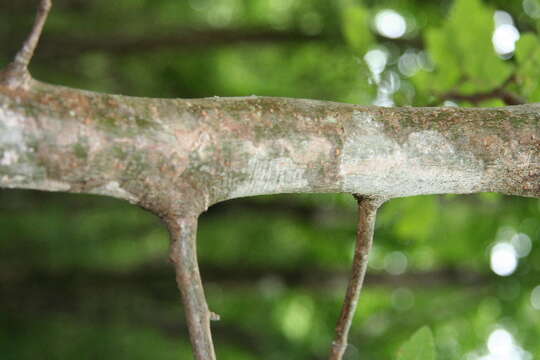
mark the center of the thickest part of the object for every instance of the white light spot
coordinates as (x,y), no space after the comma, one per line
(395,263)
(501,345)
(522,244)
(535,298)
(376,60)
(450,103)
(390,24)
(500,342)
(391,82)
(504,259)
(388,85)
(505,35)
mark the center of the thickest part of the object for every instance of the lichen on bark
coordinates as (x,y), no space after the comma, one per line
(177,157)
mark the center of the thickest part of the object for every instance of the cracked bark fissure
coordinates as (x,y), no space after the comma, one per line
(176,157)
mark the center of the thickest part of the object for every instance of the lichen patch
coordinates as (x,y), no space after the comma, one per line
(266,173)
(372,162)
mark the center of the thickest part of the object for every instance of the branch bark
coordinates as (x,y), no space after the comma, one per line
(183,231)
(180,156)
(16,73)
(367,210)
(174,155)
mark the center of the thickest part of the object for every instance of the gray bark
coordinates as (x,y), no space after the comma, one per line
(177,156)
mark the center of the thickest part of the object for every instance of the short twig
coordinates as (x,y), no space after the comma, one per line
(367,209)
(16,73)
(183,233)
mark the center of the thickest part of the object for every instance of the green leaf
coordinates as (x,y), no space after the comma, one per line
(528,59)
(420,346)
(462,50)
(446,58)
(355,27)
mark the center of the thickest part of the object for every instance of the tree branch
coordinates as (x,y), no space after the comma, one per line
(499,93)
(367,210)
(183,233)
(16,73)
(507,97)
(180,156)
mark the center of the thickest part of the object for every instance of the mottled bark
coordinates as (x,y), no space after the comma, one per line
(176,157)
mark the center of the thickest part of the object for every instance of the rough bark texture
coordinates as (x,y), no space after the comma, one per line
(177,157)
(181,156)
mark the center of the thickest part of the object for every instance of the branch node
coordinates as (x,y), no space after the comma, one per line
(16,74)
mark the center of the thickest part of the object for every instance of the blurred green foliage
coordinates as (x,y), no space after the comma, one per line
(419,347)
(87,277)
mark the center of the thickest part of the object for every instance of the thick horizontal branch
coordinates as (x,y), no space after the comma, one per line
(182,155)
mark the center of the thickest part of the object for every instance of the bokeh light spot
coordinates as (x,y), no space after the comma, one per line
(390,24)
(505,35)
(535,298)
(503,259)
(395,263)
